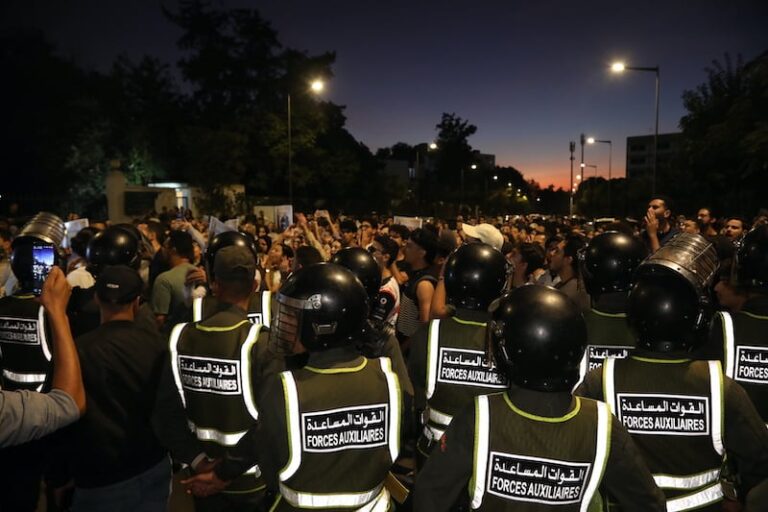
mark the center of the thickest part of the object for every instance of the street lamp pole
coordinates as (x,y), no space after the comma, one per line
(290,155)
(571,148)
(316,87)
(619,67)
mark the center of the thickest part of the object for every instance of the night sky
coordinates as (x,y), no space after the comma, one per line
(530,75)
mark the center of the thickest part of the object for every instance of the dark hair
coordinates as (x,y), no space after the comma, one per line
(370,220)
(427,240)
(401,230)
(268,241)
(744,223)
(573,244)
(307,255)
(533,255)
(158,230)
(389,247)
(181,242)
(5,234)
(667,200)
(79,242)
(287,251)
(348,226)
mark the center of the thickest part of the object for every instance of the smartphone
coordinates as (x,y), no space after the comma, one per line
(43,259)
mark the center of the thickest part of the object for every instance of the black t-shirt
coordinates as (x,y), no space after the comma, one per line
(121,364)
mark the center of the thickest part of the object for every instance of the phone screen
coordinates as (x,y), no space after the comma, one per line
(42,262)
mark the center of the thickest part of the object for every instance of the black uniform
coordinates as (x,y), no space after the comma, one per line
(260,307)
(450,367)
(339,438)
(218,365)
(740,342)
(685,416)
(536,423)
(608,334)
(26,363)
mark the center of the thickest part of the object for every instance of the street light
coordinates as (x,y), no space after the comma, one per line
(316,86)
(592,140)
(619,67)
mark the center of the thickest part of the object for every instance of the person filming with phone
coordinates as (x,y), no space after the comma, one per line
(38,356)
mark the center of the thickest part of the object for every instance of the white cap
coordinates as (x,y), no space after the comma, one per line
(485,233)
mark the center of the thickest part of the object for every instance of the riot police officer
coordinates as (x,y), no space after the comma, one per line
(26,351)
(218,365)
(379,338)
(329,431)
(684,415)
(449,364)
(607,266)
(535,446)
(259,303)
(741,340)
(116,245)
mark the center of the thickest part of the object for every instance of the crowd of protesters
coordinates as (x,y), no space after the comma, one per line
(539,249)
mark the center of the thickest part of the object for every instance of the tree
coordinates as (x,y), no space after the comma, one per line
(726,138)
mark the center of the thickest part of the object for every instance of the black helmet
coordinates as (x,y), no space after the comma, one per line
(752,260)
(539,337)
(323,306)
(362,264)
(115,245)
(226,239)
(474,276)
(665,314)
(609,262)
(670,303)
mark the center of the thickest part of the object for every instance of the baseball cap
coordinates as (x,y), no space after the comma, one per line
(233,263)
(485,233)
(118,284)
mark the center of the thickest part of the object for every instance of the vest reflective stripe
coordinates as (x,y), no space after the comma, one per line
(266,307)
(432,353)
(711,494)
(197,309)
(26,378)
(432,433)
(609,387)
(729,348)
(602,450)
(716,390)
(439,417)
(245,361)
(217,436)
(316,500)
(373,499)
(393,385)
(41,330)
(173,348)
(292,419)
(482,434)
(687,482)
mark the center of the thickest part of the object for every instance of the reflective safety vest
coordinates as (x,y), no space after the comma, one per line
(608,335)
(259,308)
(674,411)
(212,370)
(523,461)
(25,352)
(745,344)
(343,436)
(458,370)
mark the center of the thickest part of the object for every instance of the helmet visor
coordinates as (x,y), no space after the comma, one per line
(284,335)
